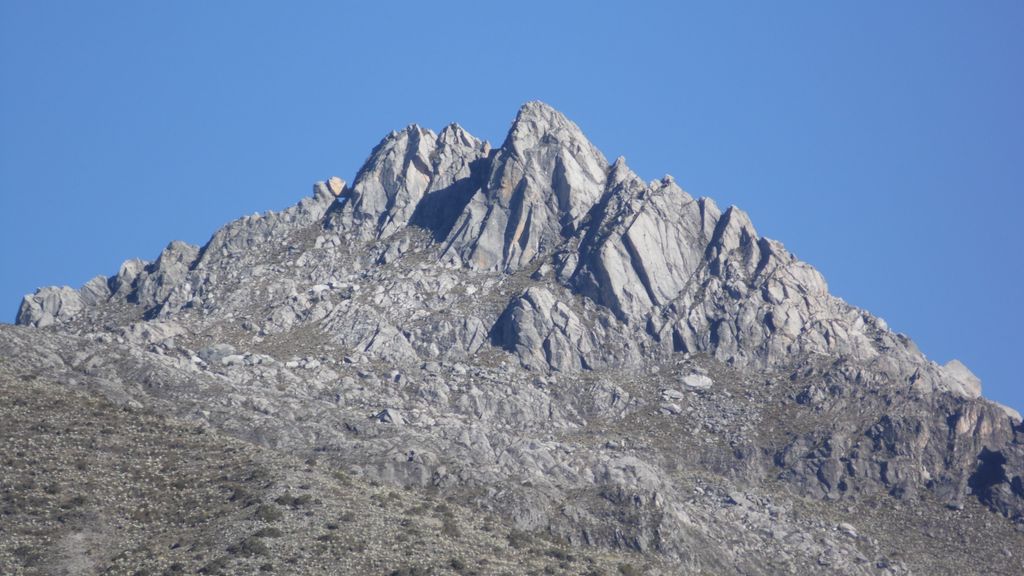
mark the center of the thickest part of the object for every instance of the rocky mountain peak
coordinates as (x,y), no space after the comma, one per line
(537,122)
(393,180)
(619,172)
(537,188)
(455,135)
(529,325)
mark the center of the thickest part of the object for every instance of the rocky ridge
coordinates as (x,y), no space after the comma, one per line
(552,339)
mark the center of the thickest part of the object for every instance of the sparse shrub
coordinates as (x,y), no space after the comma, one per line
(268,513)
(450,528)
(216,566)
(268,532)
(241,495)
(294,501)
(628,570)
(519,539)
(143,515)
(73,502)
(348,516)
(27,556)
(559,554)
(251,546)
(410,571)
(457,564)
(418,510)
(328,537)
(558,540)
(357,547)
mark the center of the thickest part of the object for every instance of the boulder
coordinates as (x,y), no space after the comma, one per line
(215,353)
(670,394)
(49,306)
(335,185)
(698,381)
(389,416)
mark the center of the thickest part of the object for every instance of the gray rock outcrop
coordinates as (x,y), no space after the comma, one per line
(49,306)
(961,379)
(412,176)
(545,333)
(643,245)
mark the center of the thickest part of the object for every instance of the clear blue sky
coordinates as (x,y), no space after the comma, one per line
(883,142)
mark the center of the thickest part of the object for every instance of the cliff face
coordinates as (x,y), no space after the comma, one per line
(549,337)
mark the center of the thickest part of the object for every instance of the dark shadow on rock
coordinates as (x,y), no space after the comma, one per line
(439,210)
(329,221)
(990,473)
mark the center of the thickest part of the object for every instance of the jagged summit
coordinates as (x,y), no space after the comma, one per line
(536,189)
(537,121)
(528,325)
(689,276)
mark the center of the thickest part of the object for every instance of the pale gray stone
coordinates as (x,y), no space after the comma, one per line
(49,306)
(698,381)
(95,291)
(961,380)
(389,416)
(670,394)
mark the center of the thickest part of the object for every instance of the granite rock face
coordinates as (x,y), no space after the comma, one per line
(643,245)
(537,190)
(545,333)
(962,379)
(50,305)
(413,175)
(549,338)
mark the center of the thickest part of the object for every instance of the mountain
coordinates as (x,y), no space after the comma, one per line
(594,374)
